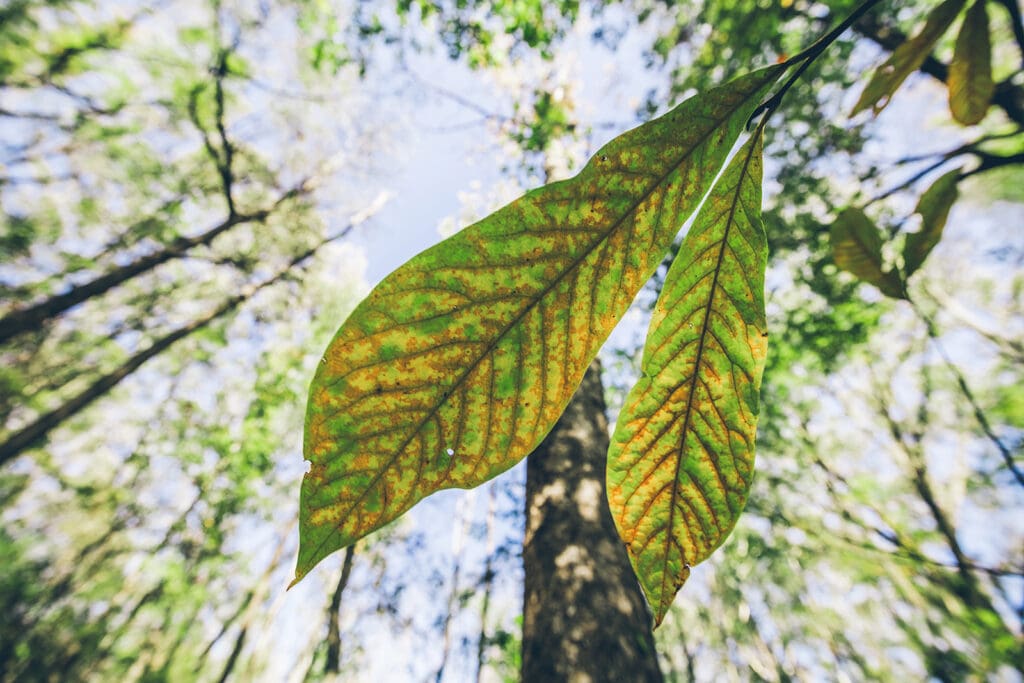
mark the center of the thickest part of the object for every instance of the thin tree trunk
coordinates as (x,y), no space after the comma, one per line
(463,519)
(584,618)
(255,604)
(235,652)
(488,583)
(333,662)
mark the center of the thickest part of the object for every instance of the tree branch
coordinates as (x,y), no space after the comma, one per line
(31,318)
(961,382)
(332,665)
(43,425)
(1016,23)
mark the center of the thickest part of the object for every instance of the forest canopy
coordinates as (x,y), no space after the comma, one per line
(196,195)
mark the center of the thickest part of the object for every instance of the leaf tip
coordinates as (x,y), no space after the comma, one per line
(301,571)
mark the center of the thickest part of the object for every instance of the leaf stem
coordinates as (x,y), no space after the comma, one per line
(807,57)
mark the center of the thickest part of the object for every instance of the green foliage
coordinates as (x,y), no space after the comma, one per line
(681,460)
(970,73)
(133,538)
(458,363)
(857,247)
(678,478)
(907,58)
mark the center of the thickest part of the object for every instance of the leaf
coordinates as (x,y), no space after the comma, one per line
(458,363)
(971,86)
(907,58)
(857,248)
(934,206)
(682,455)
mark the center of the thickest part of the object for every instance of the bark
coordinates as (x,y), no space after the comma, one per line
(584,617)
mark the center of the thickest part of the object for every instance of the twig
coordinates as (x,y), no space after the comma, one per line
(806,58)
(961,381)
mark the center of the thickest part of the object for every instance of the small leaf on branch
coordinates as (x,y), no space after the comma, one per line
(971,86)
(857,248)
(458,363)
(906,59)
(933,206)
(682,456)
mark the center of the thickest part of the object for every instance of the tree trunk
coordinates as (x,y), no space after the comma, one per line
(584,618)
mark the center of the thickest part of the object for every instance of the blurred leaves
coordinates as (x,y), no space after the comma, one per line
(970,73)
(907,58)
(857,249)
(933,207)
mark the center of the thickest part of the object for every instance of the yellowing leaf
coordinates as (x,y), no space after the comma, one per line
(971,86)
(907,58)
(682,456)
(934,206)
(458,363)
(857,248)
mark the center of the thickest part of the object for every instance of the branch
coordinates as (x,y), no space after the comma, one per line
(905,549)
(1017,24)
(961,381)
(1009,347)
(32,317)
(211,149)
(333,663)
(228,151)
(972,595)
(254,602)
(42,426)
(917,176)
(488,583)
(991,161)
(463,510)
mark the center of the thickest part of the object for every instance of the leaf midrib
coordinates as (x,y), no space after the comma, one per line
(693,380)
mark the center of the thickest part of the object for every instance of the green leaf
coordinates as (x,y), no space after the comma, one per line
(907,58)
(682,456)
(933,206)
(458,363)
(857,248)
(971,86)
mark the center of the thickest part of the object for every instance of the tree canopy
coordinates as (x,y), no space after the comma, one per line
(190,192)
